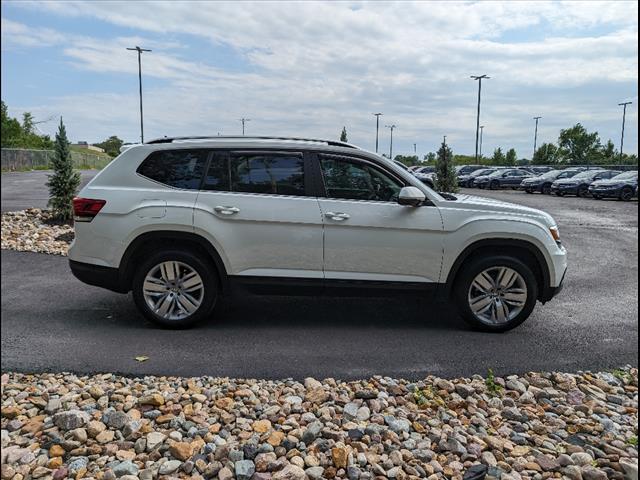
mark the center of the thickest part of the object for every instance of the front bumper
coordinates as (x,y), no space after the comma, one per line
(529,186)
(99,276)
(566,189)
(605,192)
(551,292)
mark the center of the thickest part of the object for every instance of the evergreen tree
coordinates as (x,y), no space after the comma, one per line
(498,157)
(343,135)
(445,179)
(512,157)
(64,182)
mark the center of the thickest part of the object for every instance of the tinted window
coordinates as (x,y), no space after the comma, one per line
(357,181)
(267,173)
(217,177)
(176,168)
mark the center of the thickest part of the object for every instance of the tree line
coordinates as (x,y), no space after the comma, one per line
(24,134)
(575,146)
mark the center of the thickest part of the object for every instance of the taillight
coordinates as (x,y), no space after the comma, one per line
(84,209)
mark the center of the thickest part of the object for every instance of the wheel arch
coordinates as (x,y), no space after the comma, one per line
(520,249)
(151,241)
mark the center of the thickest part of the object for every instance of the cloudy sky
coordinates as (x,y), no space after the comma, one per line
(307,69)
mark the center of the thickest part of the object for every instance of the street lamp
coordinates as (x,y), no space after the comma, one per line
(624,114)
(243,120)
(481,132)
(535,137)
(479,79)
(140,50)
(377,127)
(391,127)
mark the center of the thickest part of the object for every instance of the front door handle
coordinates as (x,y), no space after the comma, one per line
(225,210)
(337,216)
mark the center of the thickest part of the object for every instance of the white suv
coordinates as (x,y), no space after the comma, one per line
(182,221)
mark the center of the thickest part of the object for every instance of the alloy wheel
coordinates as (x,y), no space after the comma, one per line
(173,290)
(497,295)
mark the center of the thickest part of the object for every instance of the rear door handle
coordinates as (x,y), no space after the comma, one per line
(225,210)
(337,216)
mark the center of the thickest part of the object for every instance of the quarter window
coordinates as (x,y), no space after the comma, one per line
(175,168)
(351,180)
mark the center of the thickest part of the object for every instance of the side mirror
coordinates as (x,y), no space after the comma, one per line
(411,196)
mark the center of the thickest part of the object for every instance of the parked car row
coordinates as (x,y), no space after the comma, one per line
(579,181)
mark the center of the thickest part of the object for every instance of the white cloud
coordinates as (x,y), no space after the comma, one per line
(318,66)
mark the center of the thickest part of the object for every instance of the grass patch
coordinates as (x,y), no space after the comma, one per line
(494,389)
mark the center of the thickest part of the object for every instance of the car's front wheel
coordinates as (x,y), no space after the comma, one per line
(494,185)
(583,191)
(546,189)
(626,194)
(496,294)
(175,288)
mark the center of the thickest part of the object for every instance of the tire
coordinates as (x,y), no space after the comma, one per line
(186,263)
(583,191)
(597,197)
(494,185)
(528,190)
(465,289)
(559,194)
(546,189)
(626,194)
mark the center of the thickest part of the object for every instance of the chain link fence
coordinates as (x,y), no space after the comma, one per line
(22,159)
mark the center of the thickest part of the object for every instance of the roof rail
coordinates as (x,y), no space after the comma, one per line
(242,137)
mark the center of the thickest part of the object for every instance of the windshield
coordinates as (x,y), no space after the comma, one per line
(626,176)
(483,171)
(551,174)
(587,174)
(498,172)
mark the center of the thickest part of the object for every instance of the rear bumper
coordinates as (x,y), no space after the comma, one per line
(99,276)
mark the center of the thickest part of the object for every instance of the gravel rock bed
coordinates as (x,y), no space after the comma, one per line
(537,426)
(29,231)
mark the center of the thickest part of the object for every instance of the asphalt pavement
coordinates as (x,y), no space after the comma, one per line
(22,190)
(53,322)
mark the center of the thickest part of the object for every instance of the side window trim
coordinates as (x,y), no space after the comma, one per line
(357,160)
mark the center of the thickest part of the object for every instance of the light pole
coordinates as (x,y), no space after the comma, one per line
(140,50)
(535,137)
(624,114)
(391,127)
(479,79)
(377,127)
(415,148)
(243,120)
(481,132)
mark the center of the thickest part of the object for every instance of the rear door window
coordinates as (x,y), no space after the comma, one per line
(175,168)
(268,173)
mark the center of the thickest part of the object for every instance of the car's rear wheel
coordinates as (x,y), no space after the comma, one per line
(626,194)
(175,289)
(496,294)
